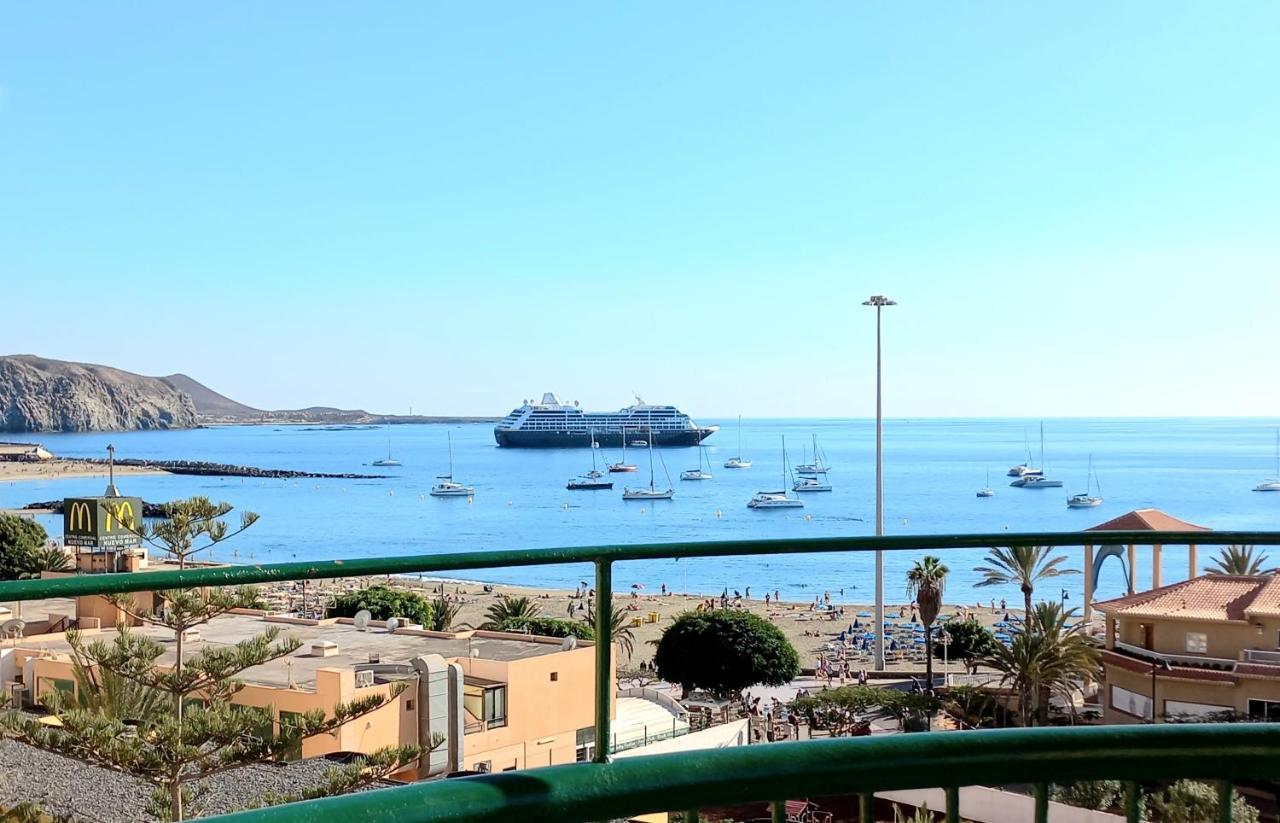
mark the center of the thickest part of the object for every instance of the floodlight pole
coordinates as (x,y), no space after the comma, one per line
(879,301)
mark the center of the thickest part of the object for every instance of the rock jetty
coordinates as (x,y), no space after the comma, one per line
(229,470)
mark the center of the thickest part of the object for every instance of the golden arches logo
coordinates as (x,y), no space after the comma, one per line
(80,518)
(121,512)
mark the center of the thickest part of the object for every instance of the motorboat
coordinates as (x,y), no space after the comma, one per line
(811,484)
(448,487)
(588,484)
(652,492)
(639,444)
(738,462)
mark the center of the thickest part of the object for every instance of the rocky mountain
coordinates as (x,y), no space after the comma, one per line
(209,403)
(39,395)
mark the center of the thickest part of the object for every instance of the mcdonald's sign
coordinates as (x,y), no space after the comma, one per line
(102,522)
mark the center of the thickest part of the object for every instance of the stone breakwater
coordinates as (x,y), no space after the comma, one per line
(56,507)
(228,470)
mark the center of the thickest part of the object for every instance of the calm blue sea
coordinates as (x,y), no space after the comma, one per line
(1201,470)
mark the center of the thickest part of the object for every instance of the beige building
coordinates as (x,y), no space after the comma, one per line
(1202,647)
(501,701)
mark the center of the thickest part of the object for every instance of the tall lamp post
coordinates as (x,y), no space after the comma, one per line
(879,301)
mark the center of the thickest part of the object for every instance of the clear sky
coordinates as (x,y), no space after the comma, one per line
(452,206)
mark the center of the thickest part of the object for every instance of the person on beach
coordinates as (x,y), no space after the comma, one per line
(1004,608)
(776,598)
(766,600)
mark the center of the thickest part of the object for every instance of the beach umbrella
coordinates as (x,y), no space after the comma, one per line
(919,641)
(864,614)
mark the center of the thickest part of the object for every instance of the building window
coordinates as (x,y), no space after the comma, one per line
(555,676)
(1131,703)
(408,705)
(1197,643)
(1264,710)
(485,705)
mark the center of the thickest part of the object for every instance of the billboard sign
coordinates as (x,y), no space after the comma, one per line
(102,522)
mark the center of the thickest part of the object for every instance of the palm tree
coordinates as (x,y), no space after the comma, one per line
(621,623)
(443,614)
(1238,560)
(510,608)
(924,583)
(1021,565)
(1046,657)
(48,559)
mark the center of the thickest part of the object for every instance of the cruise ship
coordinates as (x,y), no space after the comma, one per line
(552,424)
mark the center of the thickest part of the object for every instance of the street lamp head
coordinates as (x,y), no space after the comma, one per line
(879,300)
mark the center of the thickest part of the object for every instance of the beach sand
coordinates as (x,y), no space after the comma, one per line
(807,629)
(57,469)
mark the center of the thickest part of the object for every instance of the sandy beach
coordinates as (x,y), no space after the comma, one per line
(809,630)
(58,469)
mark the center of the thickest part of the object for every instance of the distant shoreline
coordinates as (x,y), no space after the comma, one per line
(62,468)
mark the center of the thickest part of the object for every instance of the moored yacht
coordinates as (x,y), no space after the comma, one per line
(591,480)
(652,492)
(811,484)
(738,462)
(1035,478)
(448,487)
(1085,500)
(777,500)
(817,467)
(987,491)
(699,473)
(1272,485)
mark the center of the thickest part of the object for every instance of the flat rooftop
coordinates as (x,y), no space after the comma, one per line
(354,646)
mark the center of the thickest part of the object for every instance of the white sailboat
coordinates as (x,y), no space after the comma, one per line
(592,480)
(1085,500)
(987,491)
(1024,468)
(1272,485)
(811,484)
(698,473)
(389,461)
(738,462)
(1035,478)
(651,493)
(447,487)
(777,500)
(817,467)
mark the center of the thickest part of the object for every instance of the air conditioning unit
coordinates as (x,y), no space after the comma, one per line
(364,679)
(19,694)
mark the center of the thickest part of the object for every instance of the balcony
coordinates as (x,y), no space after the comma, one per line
(772,773)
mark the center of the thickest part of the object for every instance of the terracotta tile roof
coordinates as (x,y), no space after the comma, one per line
(1212,597)
(1147,520)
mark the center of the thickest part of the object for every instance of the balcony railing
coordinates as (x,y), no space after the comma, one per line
(774,772)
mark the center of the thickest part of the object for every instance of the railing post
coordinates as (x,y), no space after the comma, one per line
(1042,802)
(1132,802)
(691,816)
(867,807)
(779,811)
(604,658)
(1224,801)
(953,804)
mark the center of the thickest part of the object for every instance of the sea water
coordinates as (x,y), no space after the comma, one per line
(1200,470)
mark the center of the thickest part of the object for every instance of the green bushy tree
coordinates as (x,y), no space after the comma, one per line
(1193,801)
(970,641)
(384,602)
(725,651)
(20,540)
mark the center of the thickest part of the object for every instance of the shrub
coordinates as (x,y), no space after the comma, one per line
(384,602)
(548,627)
(20,540)
(725,651)
(1191,801)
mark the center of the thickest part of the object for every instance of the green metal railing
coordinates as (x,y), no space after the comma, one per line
(704,778)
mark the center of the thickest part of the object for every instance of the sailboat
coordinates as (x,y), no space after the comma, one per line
(698,473)
(1085,501)
(1035,478)
(390,461)
(651,493)
(987,491)
(1023,468)
(447,487)
(777,500)
(815,468)
(622,465)
(1272,485)
(592,479)
(738,462)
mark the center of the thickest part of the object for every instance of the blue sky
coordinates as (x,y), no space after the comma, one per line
(454,206)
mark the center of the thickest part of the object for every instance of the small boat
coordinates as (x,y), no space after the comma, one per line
(1023,468)
(389,461)
(448,487)
(1035,478)
(1085,500)
(777,500)
(817,467)
(698,473)
(652,492)
(738,462)
(810,484)
(639,444)
(1272,485)
(591,480)
(987,491)
(622,465)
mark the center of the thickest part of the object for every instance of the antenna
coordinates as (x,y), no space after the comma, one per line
(393,623)
(362,618)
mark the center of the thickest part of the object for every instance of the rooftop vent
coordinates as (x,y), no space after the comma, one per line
(324,648)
